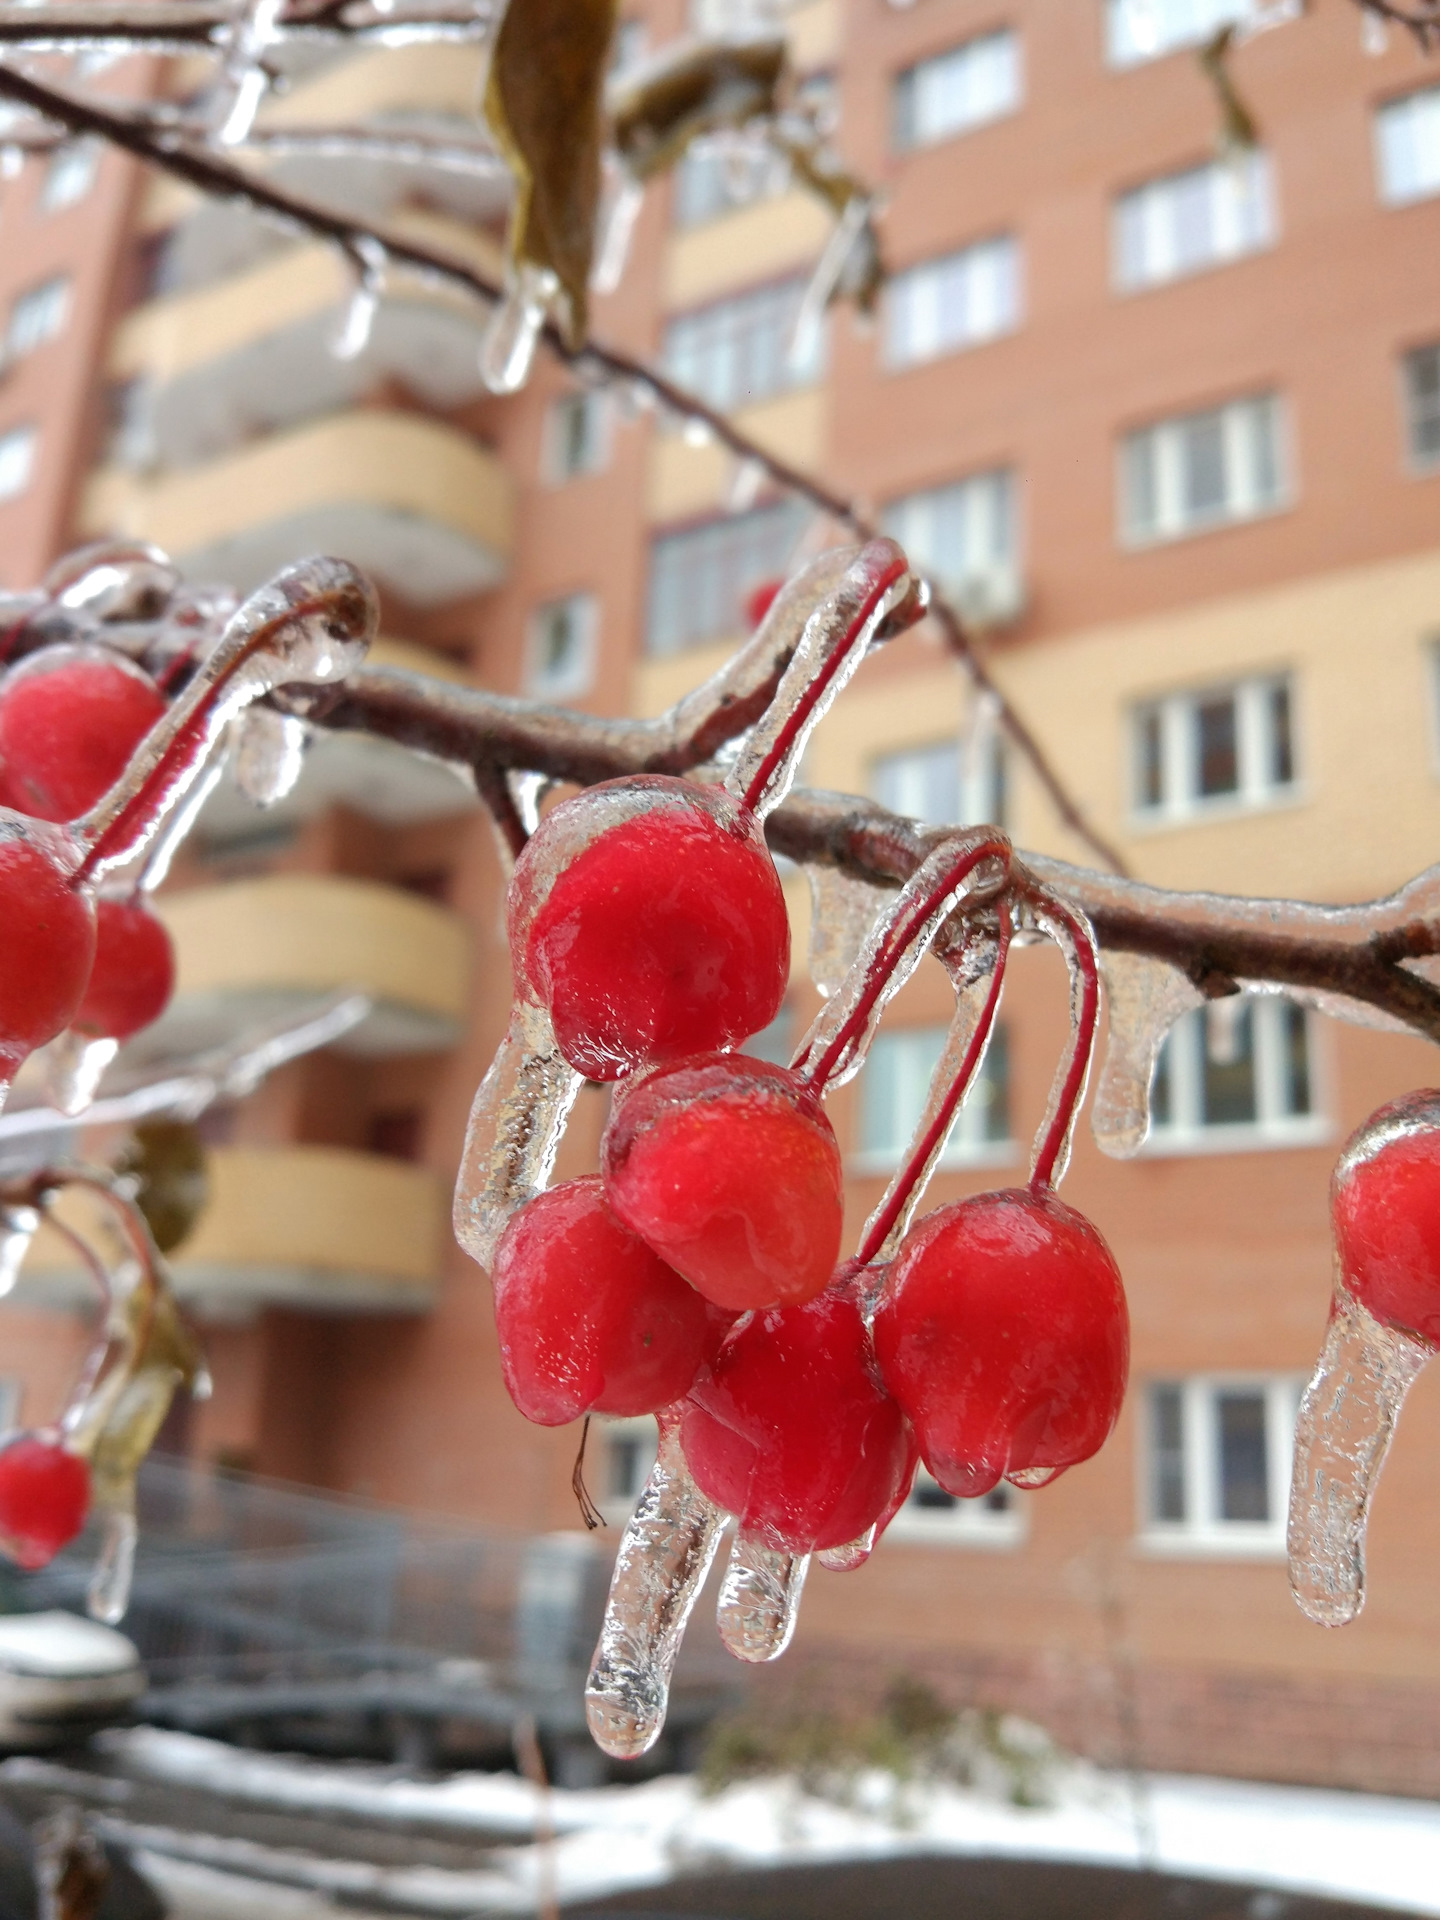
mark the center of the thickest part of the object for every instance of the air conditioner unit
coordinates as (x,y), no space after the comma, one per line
(989,596)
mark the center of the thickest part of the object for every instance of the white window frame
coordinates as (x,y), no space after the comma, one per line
(1138,31)
(579,676)
(994,264)
(987,507)
(957,68)
(1390,127)
(1244,502)
(1187,1134)
(969,1523)
(1258,792)
(1243,220)
(720,337)
(596,406)
(37,315)
(980,778)
(1418,463)
(19,444)
(966,1144)
(608,1428)
(1203,1533)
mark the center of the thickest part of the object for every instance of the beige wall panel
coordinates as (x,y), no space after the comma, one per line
(744,247)
(686,479)
(441,79)
(166,337)
(814,32)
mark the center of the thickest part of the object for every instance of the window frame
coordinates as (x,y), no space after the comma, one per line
(1175,710)
(1418,464)
(736,319)
(555,469)
(612,1427)
(990,494)
(1272,1129)
(1263,187)
(969,1524)
(903,138)
(1121,61)
(1386,196)
(29,434)
(1165,454)
(580,679)
(966,1146)
(788,519)
(1205,1536)
(892,361)
(56,292)
(981,791)
(49,200)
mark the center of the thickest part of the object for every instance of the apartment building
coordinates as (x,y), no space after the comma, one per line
(1167,424)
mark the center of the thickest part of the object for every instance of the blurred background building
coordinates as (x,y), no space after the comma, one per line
(1168,427)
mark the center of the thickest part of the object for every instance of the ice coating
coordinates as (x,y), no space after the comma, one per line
(825,280)
(617,225)
(1343,1434)
(75,1066)
(1145,998)
(18,1227)
(843,910)
(852,1555)
(507,351)
(353,335)
(269,754)
(516,1121)
(760,1598)
(113,580)
(665,1554)
(1071,932)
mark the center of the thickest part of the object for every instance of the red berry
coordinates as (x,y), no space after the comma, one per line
(70,719)
(590,1320)
(133,974)
(792,1432)
(1385,1204)
(647,915)
(44,1497)
(49,944)
(727,1167)
(759,601)
(1003,1333)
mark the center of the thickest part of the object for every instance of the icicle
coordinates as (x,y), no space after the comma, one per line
(852,1555)
(1145,998)
(352,336)
(245,81)
(1346,1423)
(1077,943)
(18,1227)
(745,485)
(515,1126)
(108,1594)
(665,1554)
(1374,34)
(527,790)
(843,910)
(269,754)
(760,1599)
(805,339)
(617,229)
(508,348)
(76,1065)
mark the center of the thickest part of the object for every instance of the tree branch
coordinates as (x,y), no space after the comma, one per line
(183,26)
(223,179)
(1422,19)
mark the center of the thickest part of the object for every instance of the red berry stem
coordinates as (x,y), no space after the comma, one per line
(882,1223)
(915,909)
(1085,972)
(857,633)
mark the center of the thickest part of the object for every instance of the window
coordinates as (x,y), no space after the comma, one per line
(70,174)
(1202,470)
(996,1519)
(1188,221)
(1236,1073)
(701,578)
(964,536)
(1215,751)
(1217,1461)
(622,1465)
(576,436)
(1407,147)
(37,316)
(960,300)
(893,1088)
(17,458)
(738,351)
(1139,30)
(721,172)
(1422,405)
(965,87)
(958,783)
(562,645)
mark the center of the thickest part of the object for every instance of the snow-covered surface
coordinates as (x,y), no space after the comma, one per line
(1356,1846)
(62,1646)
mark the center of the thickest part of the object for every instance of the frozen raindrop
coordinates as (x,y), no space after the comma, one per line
(269,754)
(108,1594)
(1343,1433)
(760,1598)
(358,323)
(508,348)
(852,1555)
(745,485)
(1145,998)
(665,1554)
(18,1227)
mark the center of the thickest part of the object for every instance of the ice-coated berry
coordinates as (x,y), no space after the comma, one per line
(792,1432)
(70,719)
(590,1320)
(729,1169)
(1003,1332)
(133,974)
(44,1497)
(48,949)
(647,915)
(1385,1205)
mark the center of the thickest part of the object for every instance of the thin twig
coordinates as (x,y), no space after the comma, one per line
(1421,20)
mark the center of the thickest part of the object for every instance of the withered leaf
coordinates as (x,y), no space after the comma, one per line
(692,88)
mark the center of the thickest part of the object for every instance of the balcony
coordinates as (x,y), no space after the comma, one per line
(416,503)
(254,951)
(320,1228)
(687,480)
(745,248)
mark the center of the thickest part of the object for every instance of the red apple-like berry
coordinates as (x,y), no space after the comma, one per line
(70,719)
(729,1169)
(44,1497)
(647,915)
(1385,1205)
(48,949)
(133,974)
(590,1320)
(792,1432)
(1003,1333)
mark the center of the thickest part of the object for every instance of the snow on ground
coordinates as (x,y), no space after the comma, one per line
(1357,1846)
